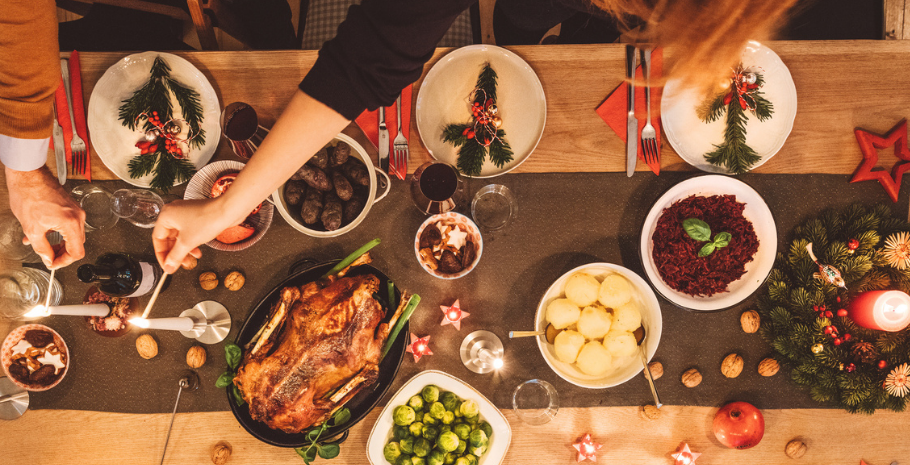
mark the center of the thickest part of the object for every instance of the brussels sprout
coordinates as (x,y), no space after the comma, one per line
(478,451)
(470,409)
(463,430)
(403,460)
(430,393)
(462,446)
(436,410)
(437,457)
(416,429)
(403,415)
(478,438)
(391,452)
(462,461)
(422,447)
(448,441)
(448,418)
(406,445)
(430,432)
(473,421)
(472,459)
(416,402)
(450,458)
(444,428)
(449,400)
(429,420)
(486,428)
(418,461)
(457,409)
(400,432)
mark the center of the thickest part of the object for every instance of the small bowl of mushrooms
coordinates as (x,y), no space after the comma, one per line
(448,245)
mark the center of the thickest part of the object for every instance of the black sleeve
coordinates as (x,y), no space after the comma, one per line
(380,48)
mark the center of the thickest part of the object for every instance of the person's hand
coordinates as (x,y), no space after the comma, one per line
(41,205)
(182,226)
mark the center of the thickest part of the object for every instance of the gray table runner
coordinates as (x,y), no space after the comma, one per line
(564,220)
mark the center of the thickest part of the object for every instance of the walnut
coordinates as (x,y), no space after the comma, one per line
(768,367)
(732,365)
(221,452)
(428,259)
(795,449)
(234,281)
(657,370)
(189,263)
(750,321)
(195,357)
(147,346)
(650,412)
(208,280)
(691,378)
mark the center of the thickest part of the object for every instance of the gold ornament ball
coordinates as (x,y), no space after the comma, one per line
(817,348)
(493,110)
(497,122)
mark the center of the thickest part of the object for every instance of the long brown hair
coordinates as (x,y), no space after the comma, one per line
(704,38)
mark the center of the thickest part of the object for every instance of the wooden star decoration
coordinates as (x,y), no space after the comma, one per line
(452,315)
(419,346)
(587,448)
(869,143)
(685,456)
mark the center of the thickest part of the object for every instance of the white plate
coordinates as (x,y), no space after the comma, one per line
(692,138)
(444,99)
(382,430)
(651,321)
(757,270)
(114,142)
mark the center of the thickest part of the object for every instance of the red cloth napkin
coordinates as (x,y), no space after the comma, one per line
(79,110)
(614,109)
(369,124)
(63,117)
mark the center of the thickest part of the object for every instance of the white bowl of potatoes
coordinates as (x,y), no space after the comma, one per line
(594,311)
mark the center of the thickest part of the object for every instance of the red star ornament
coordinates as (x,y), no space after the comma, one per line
(419,346)
(684,456)
(869,143)
(587,448)
(453,315)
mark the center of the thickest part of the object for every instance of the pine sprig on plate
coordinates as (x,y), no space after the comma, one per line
(168,169)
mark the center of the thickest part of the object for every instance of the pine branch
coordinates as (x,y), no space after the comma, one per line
(734,154)
(454,133)
(486,82)
(191,106)
(470,157)
(712,110)
(141,165)
(500,151)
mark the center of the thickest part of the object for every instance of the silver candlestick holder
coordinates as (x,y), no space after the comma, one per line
(211,322)
(482,352)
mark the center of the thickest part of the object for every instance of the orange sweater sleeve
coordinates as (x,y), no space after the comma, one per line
(29,67)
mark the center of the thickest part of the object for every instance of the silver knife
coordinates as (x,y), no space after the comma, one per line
(59,149)
(383,142)
(632,125)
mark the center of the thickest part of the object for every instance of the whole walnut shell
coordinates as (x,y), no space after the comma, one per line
(189,263)
(732,365)
(691,378)
(750,321)
(147,346)
(208,280)
(795,449)
(650,412)
(768,367)
(221,452)
(234,281)
(657,370)
(195,357)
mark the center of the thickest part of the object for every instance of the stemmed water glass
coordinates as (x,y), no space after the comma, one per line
(138,206)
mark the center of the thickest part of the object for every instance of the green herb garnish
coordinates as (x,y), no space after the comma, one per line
(700,231)
(233,354)
(328,450)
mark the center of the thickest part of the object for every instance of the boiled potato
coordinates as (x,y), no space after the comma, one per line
(627,317)
(594,322)
(582,288)
(562,313)
(567,345)
(620,343)
(614,291)
(594,359)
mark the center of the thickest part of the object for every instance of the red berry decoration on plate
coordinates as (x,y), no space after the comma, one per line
(838,341)
(851,368)
(852,245)
(842,312)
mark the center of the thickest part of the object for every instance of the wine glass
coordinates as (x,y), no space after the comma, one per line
(436,187)
(11,246)
(138,206)
(493,207)
(240,125)
(96,202)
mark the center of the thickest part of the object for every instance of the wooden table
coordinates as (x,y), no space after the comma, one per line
(841,85)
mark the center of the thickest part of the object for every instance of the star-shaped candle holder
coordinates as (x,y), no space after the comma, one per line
(587,448)
(419,346)
(685,456)
(869,143)
(452,315)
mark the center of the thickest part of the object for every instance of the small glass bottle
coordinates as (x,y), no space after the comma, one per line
(120,275)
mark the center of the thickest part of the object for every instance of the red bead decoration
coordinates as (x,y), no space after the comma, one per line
(869,144)
(452,315)
(684,456)
(587,448)
(853,244)
(828,314)
(851,368)
(847,337)
(838,341)
(842,312)
(829,329)
(882,364)
(419,346)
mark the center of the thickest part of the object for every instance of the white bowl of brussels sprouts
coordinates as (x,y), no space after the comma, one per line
(454,419)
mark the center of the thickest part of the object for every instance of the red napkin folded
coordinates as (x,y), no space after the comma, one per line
(369,123)
(79,109)
(63,117)
(615,108)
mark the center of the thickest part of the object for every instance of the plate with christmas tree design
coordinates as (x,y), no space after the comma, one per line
(115,143)
(692,138)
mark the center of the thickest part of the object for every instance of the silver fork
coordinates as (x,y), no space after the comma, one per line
(648,135)
(401,147)
(77,144)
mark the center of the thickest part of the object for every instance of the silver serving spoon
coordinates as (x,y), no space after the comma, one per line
(189,381)
(639,338)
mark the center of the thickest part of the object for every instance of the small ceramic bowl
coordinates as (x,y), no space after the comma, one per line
(466,224)
(17,335)
(200,187)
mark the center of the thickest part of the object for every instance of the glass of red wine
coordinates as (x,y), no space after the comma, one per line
(436,187)
(240,125)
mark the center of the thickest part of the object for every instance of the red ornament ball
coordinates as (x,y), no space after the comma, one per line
(851,368)
(882,364)
(853,244)
(842,312)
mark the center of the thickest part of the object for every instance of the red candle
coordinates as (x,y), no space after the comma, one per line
(882,310)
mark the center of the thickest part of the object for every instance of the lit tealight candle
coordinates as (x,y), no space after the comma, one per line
(419,346)
(882,310)
(171,324)
(685,456)
(453,315)
(40,311)
(587,448)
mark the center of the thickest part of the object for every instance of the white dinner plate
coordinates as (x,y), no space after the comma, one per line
(382,429)
(756,211)
(116,143)
(444,99)
(651,321)
(692,138)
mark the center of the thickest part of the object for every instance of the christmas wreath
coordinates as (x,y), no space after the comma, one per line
(804,308)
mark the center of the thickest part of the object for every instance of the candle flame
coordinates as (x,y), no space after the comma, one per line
(421,348)
(497,363)
(37,312)
(140,322)
(685,459)
(453,315)
(589,448)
